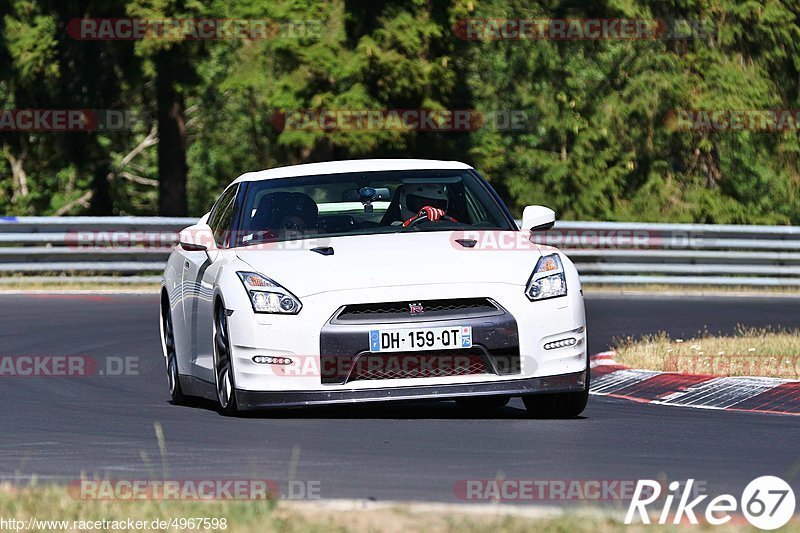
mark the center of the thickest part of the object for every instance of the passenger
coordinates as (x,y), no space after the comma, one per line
(284,216)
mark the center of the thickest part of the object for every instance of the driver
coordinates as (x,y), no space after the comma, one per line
(424,200)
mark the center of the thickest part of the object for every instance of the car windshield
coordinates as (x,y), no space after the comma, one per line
(367,203)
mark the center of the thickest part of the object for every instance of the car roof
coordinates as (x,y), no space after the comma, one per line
(355,165)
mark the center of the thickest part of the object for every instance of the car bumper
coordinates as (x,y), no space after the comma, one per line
(310,337)
(250,400)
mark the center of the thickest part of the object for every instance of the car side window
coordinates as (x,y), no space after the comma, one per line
(222,216)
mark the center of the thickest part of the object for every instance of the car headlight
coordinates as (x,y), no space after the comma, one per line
(266,296)
(548,279)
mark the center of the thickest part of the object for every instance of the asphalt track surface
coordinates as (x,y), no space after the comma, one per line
(59,427)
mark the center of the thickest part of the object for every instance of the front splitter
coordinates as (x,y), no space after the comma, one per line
(250,400)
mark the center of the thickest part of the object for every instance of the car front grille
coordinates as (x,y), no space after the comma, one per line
(428,310)
(345,339)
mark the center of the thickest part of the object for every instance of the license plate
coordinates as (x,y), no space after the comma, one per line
(417,339)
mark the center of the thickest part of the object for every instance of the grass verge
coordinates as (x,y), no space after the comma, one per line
(54,503)
(748,352)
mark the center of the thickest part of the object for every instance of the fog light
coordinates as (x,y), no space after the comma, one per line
(563,343)
(269,360)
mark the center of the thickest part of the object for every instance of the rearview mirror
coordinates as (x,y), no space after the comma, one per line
(538,218)
(377,194)
(197,238)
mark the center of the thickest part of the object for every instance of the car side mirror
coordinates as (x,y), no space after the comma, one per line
(538,218)
(197,238)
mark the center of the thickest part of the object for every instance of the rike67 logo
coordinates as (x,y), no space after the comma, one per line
(767,502)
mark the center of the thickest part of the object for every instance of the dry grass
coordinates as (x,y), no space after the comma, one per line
(54,503)
(748,352)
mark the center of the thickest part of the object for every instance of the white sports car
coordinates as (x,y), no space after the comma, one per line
(372,280)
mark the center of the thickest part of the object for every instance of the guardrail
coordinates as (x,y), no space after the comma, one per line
(134,250)
(685,254)
(87,249)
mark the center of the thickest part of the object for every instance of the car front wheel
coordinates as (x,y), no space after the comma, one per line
(175,390)
(223,368)
(558,405)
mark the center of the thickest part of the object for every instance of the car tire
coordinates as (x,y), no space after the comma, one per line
(558,405)
(171,358)
(223,364)
(482,404)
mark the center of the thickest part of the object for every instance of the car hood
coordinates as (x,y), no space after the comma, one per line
(366,261)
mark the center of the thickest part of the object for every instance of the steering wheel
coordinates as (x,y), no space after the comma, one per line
(424,218)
